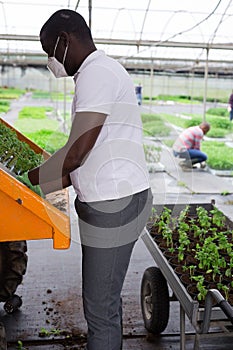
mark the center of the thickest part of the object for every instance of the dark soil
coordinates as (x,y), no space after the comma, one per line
(60,200)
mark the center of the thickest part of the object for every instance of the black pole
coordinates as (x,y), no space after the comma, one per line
(90,13)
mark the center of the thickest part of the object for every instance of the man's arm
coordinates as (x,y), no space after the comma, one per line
(56,185)
(83,135)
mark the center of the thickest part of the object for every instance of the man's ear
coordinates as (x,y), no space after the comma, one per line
(64,38)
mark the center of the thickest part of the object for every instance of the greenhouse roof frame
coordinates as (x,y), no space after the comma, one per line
(25,58)
(137,43)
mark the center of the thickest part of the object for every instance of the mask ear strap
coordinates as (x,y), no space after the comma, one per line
(64,57)
(55,47)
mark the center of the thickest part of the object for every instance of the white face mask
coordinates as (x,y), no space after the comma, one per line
(56,67)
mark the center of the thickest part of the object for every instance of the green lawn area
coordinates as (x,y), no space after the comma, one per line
(30,125)
(153,125)
(35,124)
(49,140)
(179,99)
(34,112)
(6,96)
(220,156)
(11,93)
(184,99)
(4,106)
(54,95)
(220,125)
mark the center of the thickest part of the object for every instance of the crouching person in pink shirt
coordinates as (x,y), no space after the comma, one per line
(188,144)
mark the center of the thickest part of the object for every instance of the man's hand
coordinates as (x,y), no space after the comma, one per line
(25,180)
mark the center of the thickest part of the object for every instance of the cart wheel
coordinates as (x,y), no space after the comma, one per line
(3,343)
(13,264)
(154,300)
(12,304)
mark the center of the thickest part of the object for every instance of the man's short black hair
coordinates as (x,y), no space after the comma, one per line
(68,21)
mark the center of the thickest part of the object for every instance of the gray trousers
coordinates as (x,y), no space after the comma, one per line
(104,271)
(104,268)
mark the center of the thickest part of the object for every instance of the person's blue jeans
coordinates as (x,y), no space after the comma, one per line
(192,154)
(231,114)
(139,98)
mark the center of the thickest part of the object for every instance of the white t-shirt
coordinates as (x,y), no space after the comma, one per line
(116,165)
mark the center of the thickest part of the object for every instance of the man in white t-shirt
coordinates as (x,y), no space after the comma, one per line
(104,161)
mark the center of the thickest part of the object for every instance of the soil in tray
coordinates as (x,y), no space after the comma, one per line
(199,249)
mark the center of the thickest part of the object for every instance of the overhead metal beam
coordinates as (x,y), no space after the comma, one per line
(36,54)
(109,41)
(165,67)
(17,37)
(39,59)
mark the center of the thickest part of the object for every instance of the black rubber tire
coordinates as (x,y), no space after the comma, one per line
(154,300)
(13,265)
(12,304)
(3,342)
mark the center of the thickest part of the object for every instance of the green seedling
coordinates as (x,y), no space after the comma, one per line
(181,184)
(217,217)
(47,333)
(203,217)
(20,346)
(200,287)
(225,193)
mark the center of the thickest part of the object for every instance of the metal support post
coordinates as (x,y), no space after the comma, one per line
(182,328)
(205,84)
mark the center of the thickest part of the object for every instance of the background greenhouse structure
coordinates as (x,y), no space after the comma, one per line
(171,47)
(181,52)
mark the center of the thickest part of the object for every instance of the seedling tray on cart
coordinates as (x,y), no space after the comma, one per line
(27,216)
